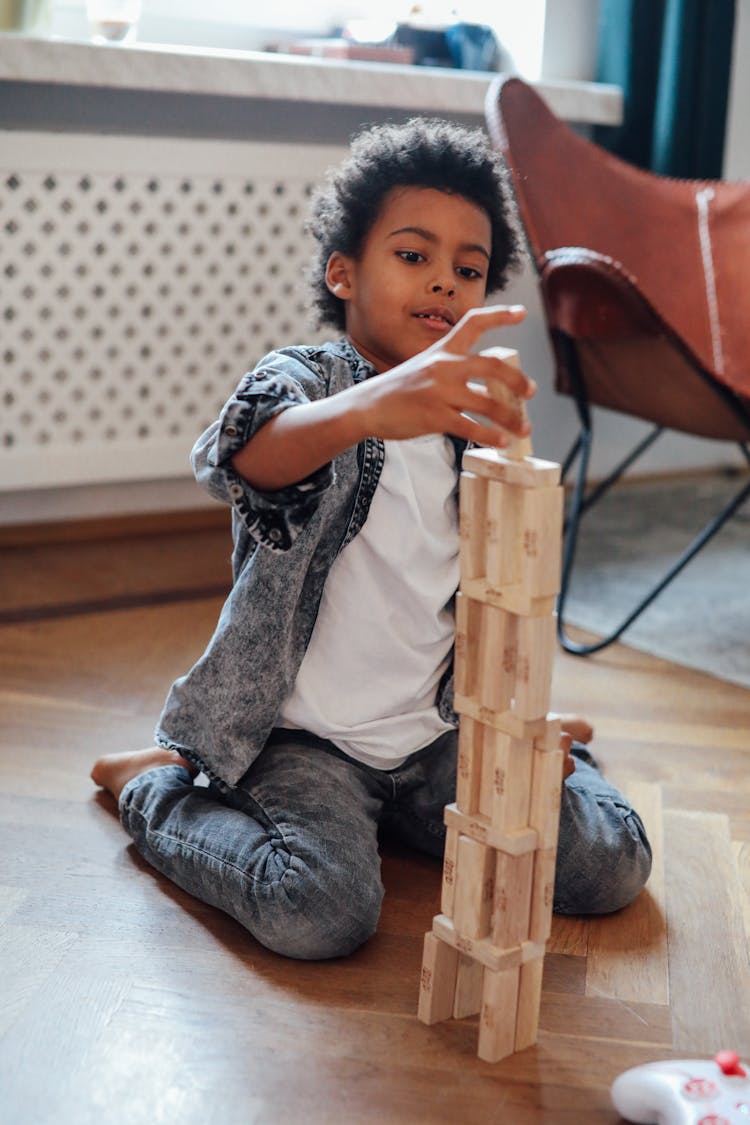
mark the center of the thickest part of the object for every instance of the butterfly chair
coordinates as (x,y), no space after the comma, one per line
(644,282)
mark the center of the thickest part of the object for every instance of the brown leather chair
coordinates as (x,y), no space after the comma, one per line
(644,282)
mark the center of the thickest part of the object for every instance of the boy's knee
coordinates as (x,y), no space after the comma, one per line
(310,922)
(609,867)
(334,932)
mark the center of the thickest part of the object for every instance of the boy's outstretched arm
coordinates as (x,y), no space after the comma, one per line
(430,393)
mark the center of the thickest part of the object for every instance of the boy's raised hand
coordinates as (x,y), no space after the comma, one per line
(430,393)
(435,390)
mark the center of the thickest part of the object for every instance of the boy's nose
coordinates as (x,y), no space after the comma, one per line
(437,288)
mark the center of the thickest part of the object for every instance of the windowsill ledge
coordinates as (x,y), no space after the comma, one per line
(257,75)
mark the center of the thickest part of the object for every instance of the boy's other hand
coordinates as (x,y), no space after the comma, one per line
(569,762)
(577,727)
(434,391)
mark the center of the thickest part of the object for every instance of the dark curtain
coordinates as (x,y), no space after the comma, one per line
(672,59)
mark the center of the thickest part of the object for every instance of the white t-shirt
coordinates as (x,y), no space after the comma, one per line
(385,627)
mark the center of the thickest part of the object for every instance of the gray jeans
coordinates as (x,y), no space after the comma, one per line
(292,852)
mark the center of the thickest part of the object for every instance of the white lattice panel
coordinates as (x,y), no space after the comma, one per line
(139,279)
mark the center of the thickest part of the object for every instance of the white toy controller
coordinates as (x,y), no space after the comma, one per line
(686,1092)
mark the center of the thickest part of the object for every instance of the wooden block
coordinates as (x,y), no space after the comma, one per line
(529,1003)
(494,532)
(468,998)
(514,598)
(511,904)
(518,447)
(515,842)
(496,672)
(550,740)
(505,721)
(472,524)
(486,794)
(546,794)
(512,761)
(507,355)
(469,766)
(535,655)
(450,857)
(539,525)
(438,980)
(504,558)
(532,472)
(482,949)
(542,894)
(475,877)
(468,616)
(497,1020)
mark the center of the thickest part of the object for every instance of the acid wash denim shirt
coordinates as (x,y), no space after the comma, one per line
(221,713)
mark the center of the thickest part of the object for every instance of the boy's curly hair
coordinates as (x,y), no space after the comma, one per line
(424,152)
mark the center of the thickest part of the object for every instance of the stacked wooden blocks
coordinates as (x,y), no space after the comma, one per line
(486,949)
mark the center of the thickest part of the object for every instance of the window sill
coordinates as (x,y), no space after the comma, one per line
(257,75)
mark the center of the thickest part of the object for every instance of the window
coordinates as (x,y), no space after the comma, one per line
(540,37)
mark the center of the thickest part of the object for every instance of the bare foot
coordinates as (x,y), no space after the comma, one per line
(576,726)
(114,771)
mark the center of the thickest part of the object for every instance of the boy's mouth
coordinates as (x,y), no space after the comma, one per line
(436,318)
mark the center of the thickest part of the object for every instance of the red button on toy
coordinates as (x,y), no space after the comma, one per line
(712,1119)
(729,1063)
(697,1088)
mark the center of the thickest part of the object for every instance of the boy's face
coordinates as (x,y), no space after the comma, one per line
(422,266)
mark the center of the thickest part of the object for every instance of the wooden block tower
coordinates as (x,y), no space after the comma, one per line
(486,949)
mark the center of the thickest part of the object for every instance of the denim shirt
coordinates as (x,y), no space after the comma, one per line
(220,714)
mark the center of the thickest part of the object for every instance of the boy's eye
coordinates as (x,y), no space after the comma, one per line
(410,255)
(469,273)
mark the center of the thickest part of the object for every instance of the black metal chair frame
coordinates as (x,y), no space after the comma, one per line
(581,501)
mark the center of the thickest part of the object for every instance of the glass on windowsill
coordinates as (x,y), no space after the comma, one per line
(113,21)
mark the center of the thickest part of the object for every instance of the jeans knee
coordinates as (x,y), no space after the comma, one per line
(611,871)
(307,920)
(629,864)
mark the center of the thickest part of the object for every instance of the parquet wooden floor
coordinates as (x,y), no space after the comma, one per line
(125,1002)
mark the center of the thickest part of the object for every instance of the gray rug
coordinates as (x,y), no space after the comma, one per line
(630,538)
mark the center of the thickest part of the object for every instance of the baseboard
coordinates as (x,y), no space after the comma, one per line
(113,527)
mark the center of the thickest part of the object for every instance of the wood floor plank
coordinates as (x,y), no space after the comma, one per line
(62,1026)
(569,936)
(602,1018)
(563,973)
(29,956)
(708,964)
(53,576)
(677,765)
(627,952)
(679,734)
(10,900)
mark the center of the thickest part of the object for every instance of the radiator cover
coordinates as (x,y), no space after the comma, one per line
(140,278)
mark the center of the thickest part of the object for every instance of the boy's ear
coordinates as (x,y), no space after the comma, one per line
(339,275)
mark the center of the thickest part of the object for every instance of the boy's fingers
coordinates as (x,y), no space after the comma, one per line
(577,727)
(500,378)
(480,433)
(478,321)
(476,400)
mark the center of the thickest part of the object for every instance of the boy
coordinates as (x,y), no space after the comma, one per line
(321,708)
